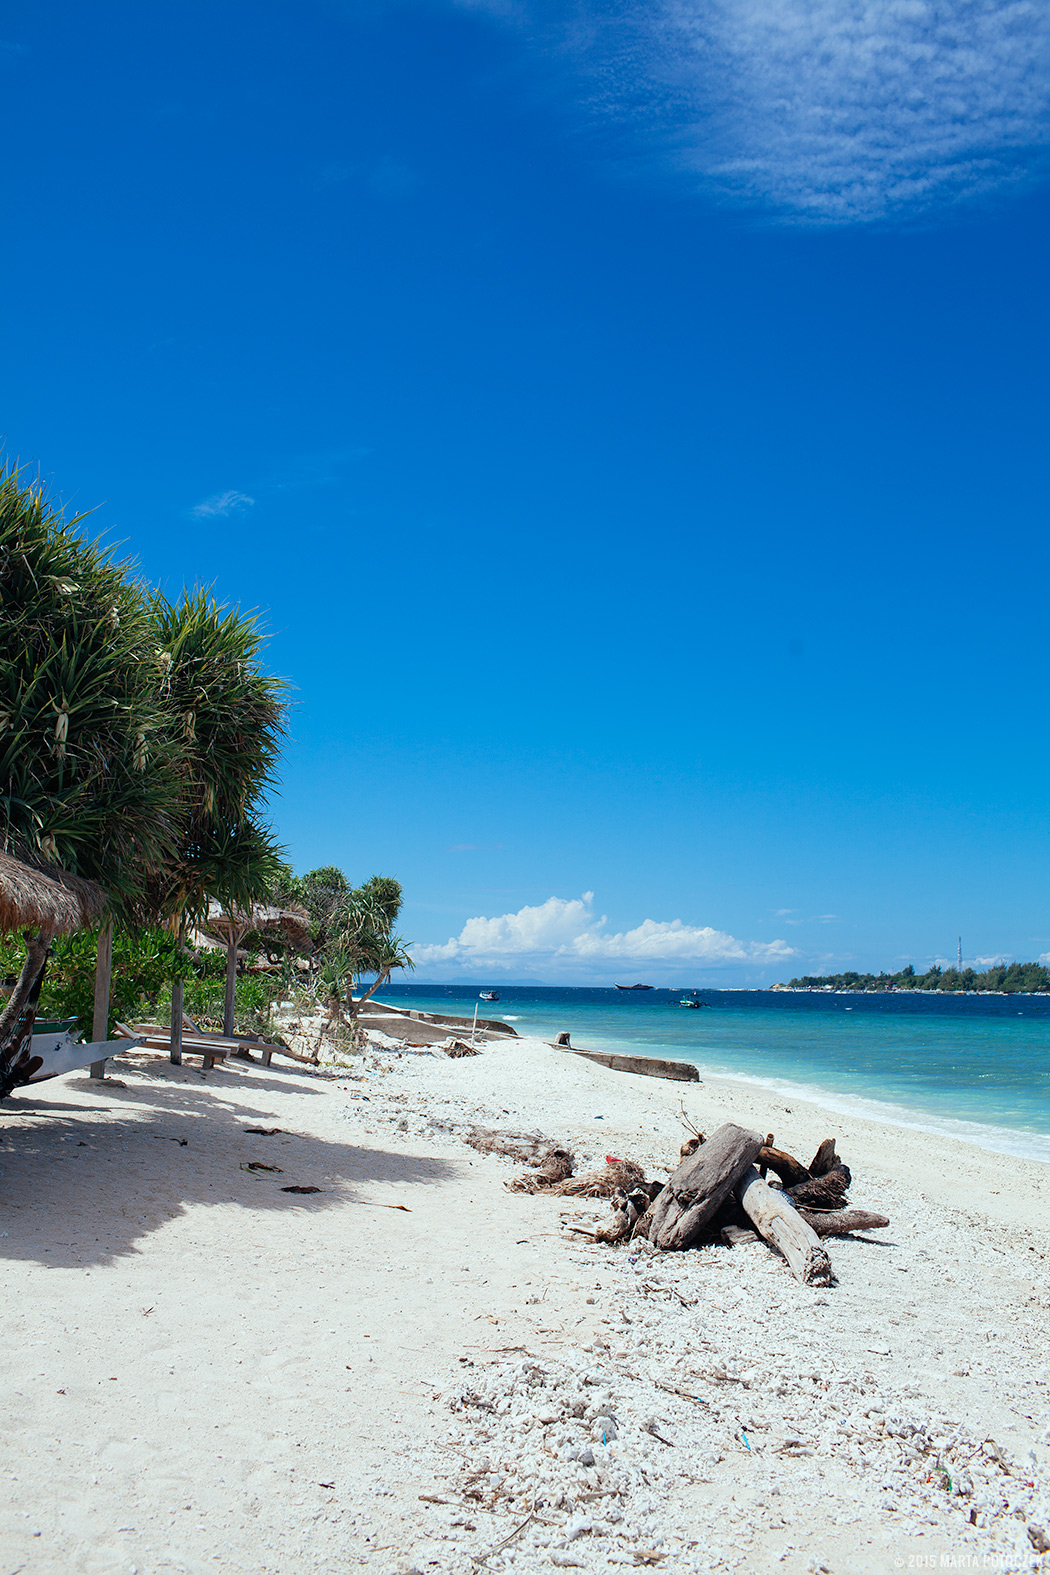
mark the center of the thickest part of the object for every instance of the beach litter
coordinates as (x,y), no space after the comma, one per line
(301,1190)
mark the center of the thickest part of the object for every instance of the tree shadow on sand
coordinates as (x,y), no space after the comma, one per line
(84,1182)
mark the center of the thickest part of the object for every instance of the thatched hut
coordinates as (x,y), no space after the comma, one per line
(42,901)
(42,897)
(227,928)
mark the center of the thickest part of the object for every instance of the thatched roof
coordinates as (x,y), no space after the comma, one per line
(39,896)
(291,923)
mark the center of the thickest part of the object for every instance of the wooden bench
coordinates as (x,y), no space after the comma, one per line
(151,1036)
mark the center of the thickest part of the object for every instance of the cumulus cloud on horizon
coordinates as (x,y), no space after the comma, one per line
(564,935)
(837,111)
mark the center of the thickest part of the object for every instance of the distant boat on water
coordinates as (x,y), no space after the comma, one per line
(692,1000)
(489,995)
(634,986)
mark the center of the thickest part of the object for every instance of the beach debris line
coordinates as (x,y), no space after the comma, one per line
(717,1193)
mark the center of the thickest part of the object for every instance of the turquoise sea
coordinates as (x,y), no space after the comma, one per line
(975,1067)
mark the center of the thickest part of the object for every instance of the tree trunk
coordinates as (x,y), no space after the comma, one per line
(355,1006)
(775,1219)
(16,1020)
(700,1185)
(229,1005)
(37,947)
(176,1023)
(103,981)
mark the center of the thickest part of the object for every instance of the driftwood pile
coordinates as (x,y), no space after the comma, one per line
(718,1192)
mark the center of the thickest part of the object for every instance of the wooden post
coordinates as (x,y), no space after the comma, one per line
(103,981)
(176,1023)
(229,1008)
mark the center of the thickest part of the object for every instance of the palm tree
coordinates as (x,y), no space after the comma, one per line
(366,938)
(85,751)
(229,719)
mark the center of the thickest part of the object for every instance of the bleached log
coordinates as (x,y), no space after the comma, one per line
(782,1225)
(700,1186)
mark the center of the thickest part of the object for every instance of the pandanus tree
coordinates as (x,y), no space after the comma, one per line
(366,937)
(229,720)
(86,750)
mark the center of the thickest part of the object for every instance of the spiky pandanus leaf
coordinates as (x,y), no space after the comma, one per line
(228,719)
(85,763)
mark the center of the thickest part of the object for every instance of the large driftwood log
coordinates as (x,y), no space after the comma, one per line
(774,1218)
(841,1221)
(700,1185)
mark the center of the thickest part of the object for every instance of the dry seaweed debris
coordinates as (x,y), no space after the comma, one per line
(618,1175)
(548,1176)
(528,1148)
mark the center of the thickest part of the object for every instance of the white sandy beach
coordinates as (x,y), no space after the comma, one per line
(203,1372)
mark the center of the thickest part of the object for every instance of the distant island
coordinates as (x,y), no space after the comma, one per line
(1029,978)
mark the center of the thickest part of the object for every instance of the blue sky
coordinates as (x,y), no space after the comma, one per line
(634,430)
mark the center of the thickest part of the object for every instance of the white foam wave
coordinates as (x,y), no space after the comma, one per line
(999,1139)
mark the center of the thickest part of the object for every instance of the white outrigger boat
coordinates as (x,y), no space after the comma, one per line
(60,1052)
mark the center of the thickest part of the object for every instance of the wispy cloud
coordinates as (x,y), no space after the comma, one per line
(564,935)
(830,110)
(222,504)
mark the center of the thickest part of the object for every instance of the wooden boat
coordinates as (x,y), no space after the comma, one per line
(692,1001)
(489,995)
(59,1052)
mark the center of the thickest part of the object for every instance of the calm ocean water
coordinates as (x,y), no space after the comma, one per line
(976,1067)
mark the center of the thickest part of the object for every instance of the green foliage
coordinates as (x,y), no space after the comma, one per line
(323,893)
(353,927)
(229,719)
(85,747)
(1030,978)
(144,963)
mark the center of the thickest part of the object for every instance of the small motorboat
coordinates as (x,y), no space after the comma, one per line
(634,986)
(489,995)
(692,1001)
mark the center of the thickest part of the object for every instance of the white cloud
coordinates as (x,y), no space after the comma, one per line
(564,936)
(222,504)
(833,110)
(850,109)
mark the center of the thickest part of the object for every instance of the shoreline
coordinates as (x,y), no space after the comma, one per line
(1025,1143)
